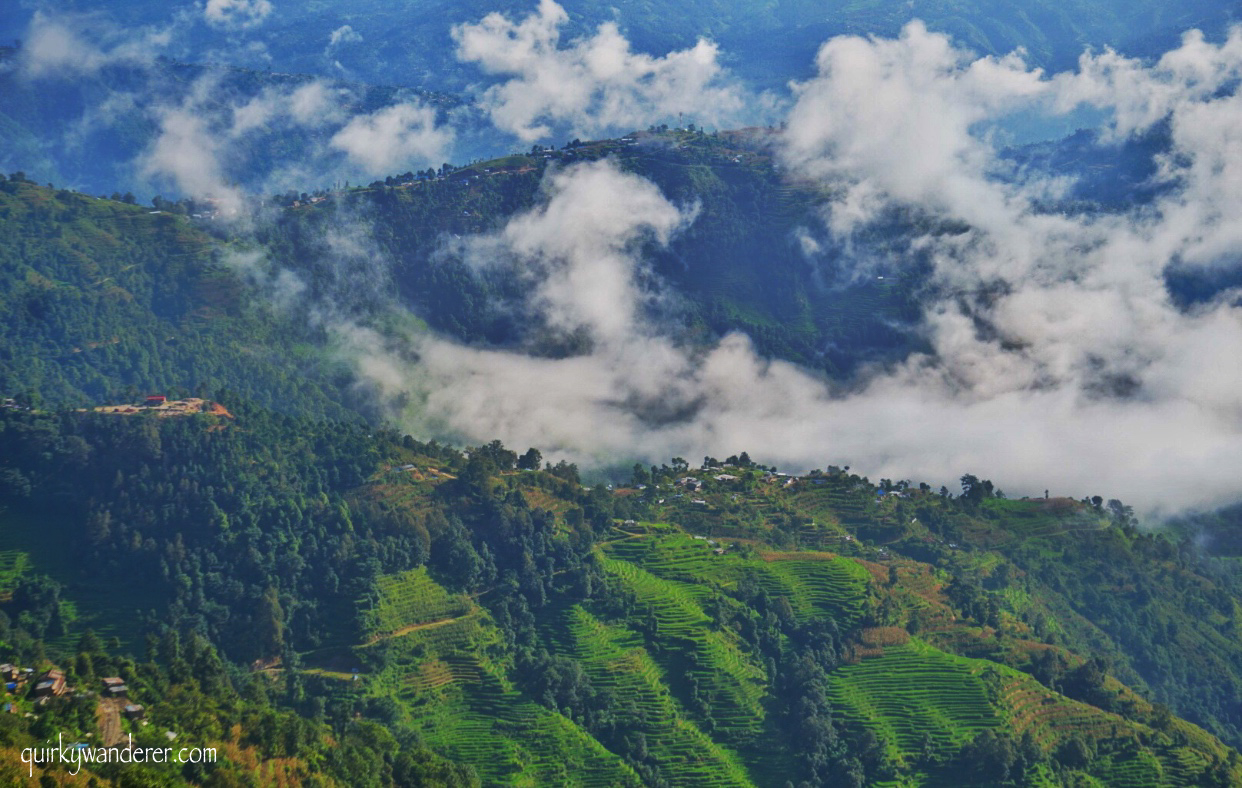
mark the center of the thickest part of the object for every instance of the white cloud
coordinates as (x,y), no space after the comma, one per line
(1085,355)
(70,45)
(202,138)
(1059,359)
(236,14)
(590,85)
(577,249)
(189,149)
(393,138)
(345,34)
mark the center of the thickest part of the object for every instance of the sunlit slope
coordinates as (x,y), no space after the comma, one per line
(666,642)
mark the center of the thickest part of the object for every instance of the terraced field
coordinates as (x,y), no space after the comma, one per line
(1032,519)
(915,690)
(912,691)
(616,660)
(412,599)
(836,498)
(692,646)
(818,583)
(814,583)
(13,563)
(1053,718)
(697,695)
(512,740)
(437,664)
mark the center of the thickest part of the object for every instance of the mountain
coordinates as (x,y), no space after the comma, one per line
(254,500)
(107,301)
(410,43)
(722,625)
(95,131)
(741,266)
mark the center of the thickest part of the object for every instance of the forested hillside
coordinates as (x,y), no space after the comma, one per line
(739,266)
(716,626)
(277,573)
(106,301)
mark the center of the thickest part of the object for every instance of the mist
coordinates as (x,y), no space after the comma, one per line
(1059,358)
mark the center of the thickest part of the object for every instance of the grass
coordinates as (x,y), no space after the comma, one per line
(13,564)
(815,583)
(438,666)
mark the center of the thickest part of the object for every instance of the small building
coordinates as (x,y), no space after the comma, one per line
(114,687)
(9,672)
(156,399)
(50,684)
(725,477)
(134,711)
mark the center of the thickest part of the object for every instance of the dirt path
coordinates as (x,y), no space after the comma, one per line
(439,622)
(108,714)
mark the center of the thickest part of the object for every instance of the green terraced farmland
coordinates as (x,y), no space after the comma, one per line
(513,741)
(436,645)
(616,660)
(814,583)
(818,584)
(13,563)
(690,645)
(912,691)
(683,558)
(411,599)
(1032,519)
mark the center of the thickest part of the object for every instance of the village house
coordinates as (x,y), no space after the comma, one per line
(114,687)
(50,684)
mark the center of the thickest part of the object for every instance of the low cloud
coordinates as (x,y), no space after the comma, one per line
(344,34)
(189,150)
(590,85)
(64,46)
(394,137)
(236,14)
(1058,359)
(1058,351)
(205,142)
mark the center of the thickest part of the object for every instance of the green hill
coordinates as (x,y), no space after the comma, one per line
(542,633)
(107,302)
